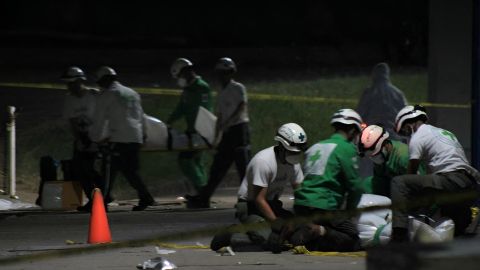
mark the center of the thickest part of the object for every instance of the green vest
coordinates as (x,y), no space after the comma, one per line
(195,95)
(397,164)
(331,171)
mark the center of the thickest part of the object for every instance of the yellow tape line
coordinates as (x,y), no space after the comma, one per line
(295,250)
(304,250)
(254,96)
(178,246)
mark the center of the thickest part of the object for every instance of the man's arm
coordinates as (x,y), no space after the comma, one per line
(234,115)
(350,170)
(260,195)
(177,113)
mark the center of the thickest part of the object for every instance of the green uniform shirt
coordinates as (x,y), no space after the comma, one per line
(195,95)
(397,164)
(331,170)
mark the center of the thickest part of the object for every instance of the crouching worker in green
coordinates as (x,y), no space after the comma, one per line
(267,174)
(390,158)
(331,171)
(196,93)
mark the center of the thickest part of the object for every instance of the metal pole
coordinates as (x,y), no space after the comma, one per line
(476,85)
(11,150)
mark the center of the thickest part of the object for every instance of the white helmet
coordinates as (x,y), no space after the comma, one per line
(104,71)
(226,63)
(408,112)
(72,74)
(347,117)
(292,137)
(178,65)
(371,140)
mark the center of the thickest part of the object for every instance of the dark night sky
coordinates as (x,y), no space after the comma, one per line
(152,24)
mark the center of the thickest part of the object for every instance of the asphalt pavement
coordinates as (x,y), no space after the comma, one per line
(37,239)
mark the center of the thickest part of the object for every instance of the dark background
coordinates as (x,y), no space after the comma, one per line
(375,30)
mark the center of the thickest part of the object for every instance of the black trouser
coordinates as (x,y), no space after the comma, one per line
(454,192)
(341,233)
(125,157)
(248,208)
(234,147)
(249,214)
(83,170)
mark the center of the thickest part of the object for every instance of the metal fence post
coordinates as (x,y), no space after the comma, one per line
(11,151)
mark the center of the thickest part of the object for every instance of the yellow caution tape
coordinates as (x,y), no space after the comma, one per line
(254,96)
(304,250)
(178,246)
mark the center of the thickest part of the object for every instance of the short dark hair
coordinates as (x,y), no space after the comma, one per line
(344,127)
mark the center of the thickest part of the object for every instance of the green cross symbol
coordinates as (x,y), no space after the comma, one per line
(315,157)
(301,137)
(448,134)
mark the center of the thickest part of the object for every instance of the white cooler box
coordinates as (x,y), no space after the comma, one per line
(62,195)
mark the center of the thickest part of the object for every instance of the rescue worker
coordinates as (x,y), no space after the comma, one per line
(331,171)
(452,181)
(196,93)
(267,174)
(233,128)
(78,110)
(390,158)
(119,123)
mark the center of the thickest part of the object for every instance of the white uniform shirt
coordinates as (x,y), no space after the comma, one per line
(265,170)
(439,148)
(228,100)
(80,109)
(118,116)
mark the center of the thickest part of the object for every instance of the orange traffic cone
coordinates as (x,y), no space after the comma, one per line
(99,231)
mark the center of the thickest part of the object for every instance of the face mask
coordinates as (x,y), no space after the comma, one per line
(355,138)
(182,82)
(378,159)
(293,158)
(408,131)
(381,157)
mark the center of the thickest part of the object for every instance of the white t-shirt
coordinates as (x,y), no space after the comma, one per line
(228,100)
(118,116)
(439,148)
(265,170)
(80,109)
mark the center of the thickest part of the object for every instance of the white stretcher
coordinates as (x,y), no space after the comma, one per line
(160,138)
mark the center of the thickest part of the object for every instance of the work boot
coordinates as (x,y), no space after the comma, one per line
(85,208)
(399,235)
(274,243)
(196,202)
(142,205)
(220,240)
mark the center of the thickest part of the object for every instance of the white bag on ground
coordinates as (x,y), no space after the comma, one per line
(374,227)
(430,231)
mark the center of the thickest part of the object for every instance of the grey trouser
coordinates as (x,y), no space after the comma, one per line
(454,192)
